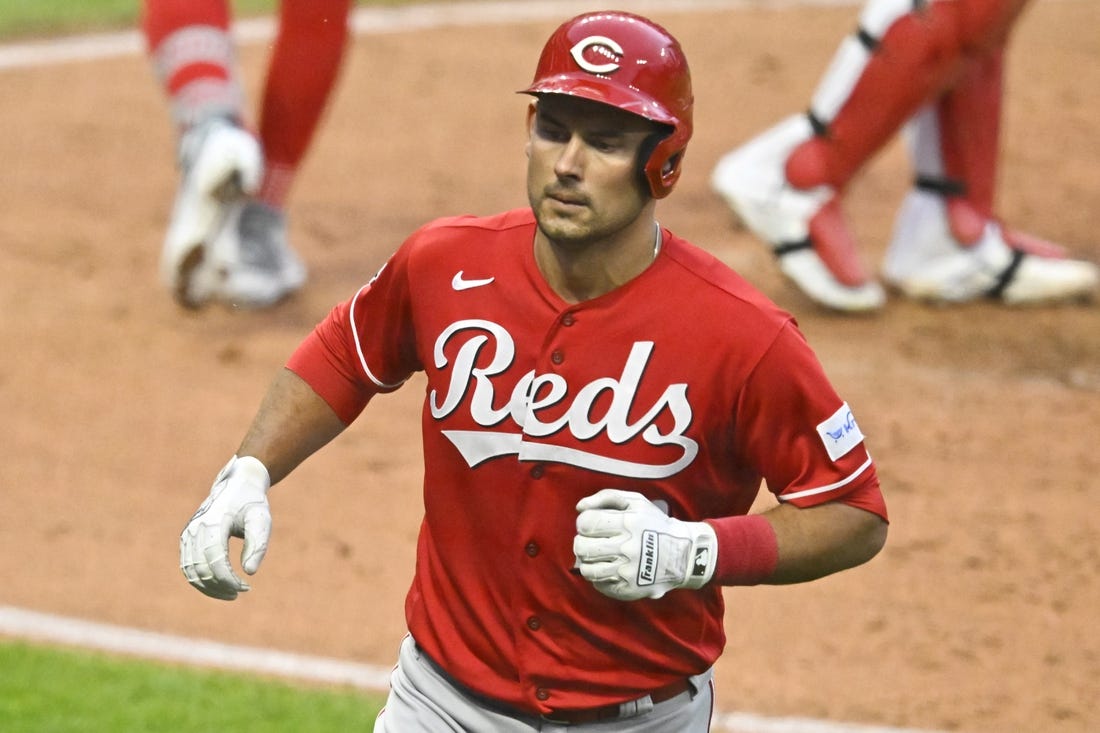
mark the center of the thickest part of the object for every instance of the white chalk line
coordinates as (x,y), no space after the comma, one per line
(43,627)
(49,628)
(52,629)
(374,21)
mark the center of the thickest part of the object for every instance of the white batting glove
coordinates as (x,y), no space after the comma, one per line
(237,507)
(629,549)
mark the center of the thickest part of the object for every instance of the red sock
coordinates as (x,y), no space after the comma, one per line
(969,125)
(304,66)
(192,52)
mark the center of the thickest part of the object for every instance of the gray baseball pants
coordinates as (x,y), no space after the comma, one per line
(423,699)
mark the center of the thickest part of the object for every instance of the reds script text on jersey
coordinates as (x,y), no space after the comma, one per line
(668,386)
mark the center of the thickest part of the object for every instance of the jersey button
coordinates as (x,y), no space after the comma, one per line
(568,319)
(531,549)
(537,471)
(557,356)
(542,694)
(534,623)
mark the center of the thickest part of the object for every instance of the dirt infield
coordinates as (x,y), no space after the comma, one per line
(979,616)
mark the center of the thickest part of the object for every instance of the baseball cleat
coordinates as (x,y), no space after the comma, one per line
(927,262)
(220,163)
(254,264)
(803,227)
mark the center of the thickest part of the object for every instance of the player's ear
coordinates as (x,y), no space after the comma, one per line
(530,128)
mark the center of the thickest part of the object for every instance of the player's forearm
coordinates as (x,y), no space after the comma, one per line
(821,540)
(791,545)
(292,423)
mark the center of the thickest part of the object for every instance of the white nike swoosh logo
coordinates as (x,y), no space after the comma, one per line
(461,283)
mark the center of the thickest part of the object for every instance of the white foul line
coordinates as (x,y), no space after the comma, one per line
(44,627)
(36,626)
(49,628)
(373,21)
(133,642)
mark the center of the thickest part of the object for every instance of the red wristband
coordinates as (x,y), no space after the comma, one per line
(747,550)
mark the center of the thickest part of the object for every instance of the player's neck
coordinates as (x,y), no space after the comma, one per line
(582,272)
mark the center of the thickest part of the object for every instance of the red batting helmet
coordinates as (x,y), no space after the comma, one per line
(628,62)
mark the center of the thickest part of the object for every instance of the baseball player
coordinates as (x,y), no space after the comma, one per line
(938,64)
(227,239)
(603,402)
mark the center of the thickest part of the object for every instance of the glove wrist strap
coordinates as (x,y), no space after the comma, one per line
(703,558)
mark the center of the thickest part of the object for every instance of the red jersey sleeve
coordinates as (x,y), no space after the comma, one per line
(800,435)
(366,345)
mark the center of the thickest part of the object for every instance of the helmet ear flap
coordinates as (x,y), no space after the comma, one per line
(660,157)
(645,157)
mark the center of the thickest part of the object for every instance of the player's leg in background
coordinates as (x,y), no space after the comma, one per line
(227,236)
(787,183)
(305,63)
(193,56)
(194,60)
(948,243)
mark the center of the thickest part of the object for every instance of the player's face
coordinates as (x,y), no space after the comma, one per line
(582,169)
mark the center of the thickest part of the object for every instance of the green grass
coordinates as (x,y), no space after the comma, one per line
(45,690)
(22,19)
(30,19)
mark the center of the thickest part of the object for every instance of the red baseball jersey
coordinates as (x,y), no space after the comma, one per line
(684,384)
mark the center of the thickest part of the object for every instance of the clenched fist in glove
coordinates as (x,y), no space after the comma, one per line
(629,549)
(237,507)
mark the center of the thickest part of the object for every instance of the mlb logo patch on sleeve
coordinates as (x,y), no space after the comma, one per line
(840,433)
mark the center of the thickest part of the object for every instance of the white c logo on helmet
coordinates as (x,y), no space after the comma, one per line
(601,45)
